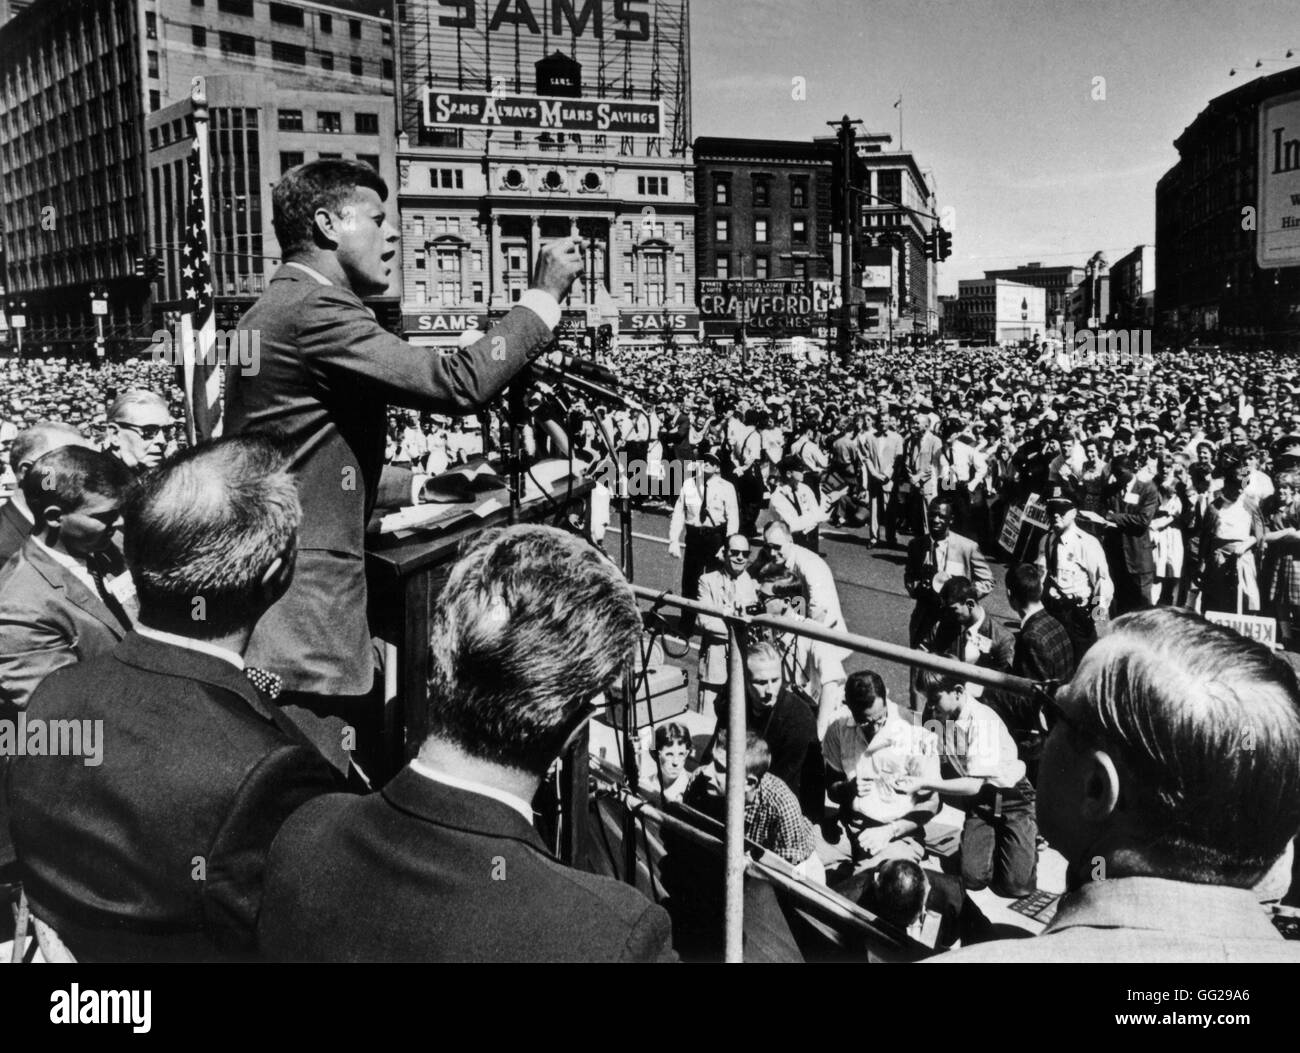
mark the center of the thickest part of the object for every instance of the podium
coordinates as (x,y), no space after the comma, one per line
(404,579)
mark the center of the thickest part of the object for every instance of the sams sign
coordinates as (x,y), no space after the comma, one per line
(568,18)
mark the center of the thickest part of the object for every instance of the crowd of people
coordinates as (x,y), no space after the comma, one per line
(199,615)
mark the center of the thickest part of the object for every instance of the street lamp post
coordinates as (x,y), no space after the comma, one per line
(99,308)
(18,319)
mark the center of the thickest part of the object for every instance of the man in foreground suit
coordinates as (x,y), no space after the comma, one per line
(1170,782)
(326,376)
(155,851)
(65,597)
(16,519)
(444,863)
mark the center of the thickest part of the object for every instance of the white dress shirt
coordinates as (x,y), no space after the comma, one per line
(704,502)
(190,644)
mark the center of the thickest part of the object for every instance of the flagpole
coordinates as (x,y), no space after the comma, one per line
(899,104)
(199,103)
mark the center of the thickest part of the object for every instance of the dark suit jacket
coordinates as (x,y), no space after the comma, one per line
(1133,526)
(14,528)
(49,618)
(326,375)
(425,872)
(790,730)
(157,852)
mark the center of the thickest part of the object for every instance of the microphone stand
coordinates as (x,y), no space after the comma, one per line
(516,413)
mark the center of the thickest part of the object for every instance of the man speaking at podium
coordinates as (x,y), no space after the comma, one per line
(326,377)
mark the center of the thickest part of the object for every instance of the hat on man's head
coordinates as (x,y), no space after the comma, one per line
(708,456)
(793,463)
(1059,498)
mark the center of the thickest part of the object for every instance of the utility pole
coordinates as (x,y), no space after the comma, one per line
(846,135)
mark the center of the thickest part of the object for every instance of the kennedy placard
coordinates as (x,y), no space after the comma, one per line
(1252,627)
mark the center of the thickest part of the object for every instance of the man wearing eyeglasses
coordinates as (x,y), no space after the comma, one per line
(140,426)
(731,589)
(865,750)
(1170,782)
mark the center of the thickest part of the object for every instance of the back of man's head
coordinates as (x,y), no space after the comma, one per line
(898,891)
(204,531)
(1204,730)
(958,589)
(532,624)
(1024,586)
(65,476)
(40,439)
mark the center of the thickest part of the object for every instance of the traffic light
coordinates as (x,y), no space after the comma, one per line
(140,266)
(605,337)
(943,243)
(153,268)
(932,245)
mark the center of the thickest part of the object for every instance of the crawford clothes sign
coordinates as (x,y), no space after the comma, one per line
(490,109)
(765,306)
(1277,239)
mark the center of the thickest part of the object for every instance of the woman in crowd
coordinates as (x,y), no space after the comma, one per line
(1282,555)
(1166,533)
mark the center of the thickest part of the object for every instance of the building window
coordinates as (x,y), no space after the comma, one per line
(198,36)
(236,7)
(386,35)
(799,231)
(722,191)
(679,293)
(722,230)
(417,226)
(421,261)
(356,66)
(327,60)
(286,15)
(290,120)
(151,25)
(652,186)
(293,54)
(238,44)
(290,159)
(679,231)
(679,263)
(760,231)
(477,289)
(760,193)
(451,178)
(329,121)
(369,159)
(627,231)
(629,294)
(798,195)
(155,101)
(367,124)
(327,23)
(386,69)
(421,296)
(152,58)
(354,27)
(760,266)
(476,261)
(196,3)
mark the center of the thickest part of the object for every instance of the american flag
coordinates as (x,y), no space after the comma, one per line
(200,369)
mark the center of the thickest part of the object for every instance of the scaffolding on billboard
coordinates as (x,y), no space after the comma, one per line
(628,50)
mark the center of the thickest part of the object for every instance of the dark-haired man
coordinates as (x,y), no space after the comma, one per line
(444,863)
(1155,874)
(16,519)
(65,597)
(327,374)
(155,851)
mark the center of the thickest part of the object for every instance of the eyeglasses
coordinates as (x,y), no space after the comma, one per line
(738,553)
(148,432)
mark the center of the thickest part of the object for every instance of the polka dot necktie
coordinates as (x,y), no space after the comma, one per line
(268,684)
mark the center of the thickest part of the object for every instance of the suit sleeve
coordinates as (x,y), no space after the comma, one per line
(651,938)
(352,353)
(235,867)
(981,576)
(29,652)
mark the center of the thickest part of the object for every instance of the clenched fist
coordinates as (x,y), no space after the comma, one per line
(558,267)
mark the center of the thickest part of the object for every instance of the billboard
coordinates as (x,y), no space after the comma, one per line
(489,109)
(1277,239)
(766,306)
(632,54)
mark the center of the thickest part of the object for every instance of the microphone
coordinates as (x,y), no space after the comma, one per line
(583,367)
(595,380)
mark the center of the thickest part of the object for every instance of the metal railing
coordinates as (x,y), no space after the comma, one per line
(738,626)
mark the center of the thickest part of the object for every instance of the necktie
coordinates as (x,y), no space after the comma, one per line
(704,503)
(267,683)
(1054,557)
(96,567)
